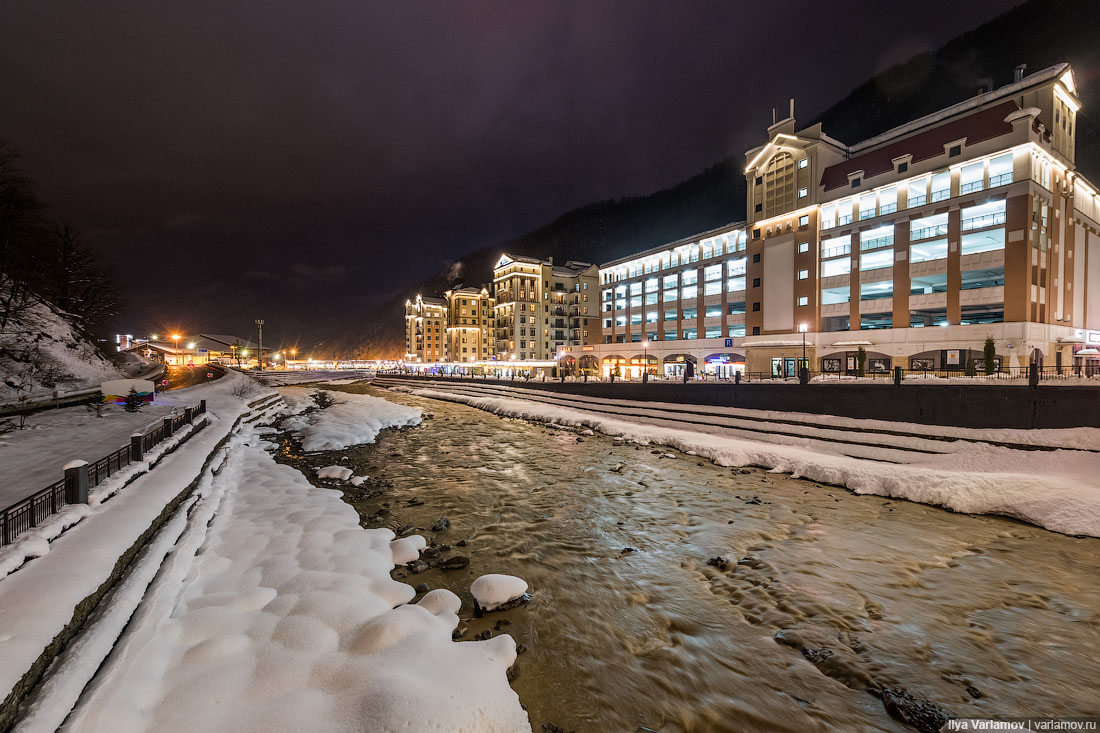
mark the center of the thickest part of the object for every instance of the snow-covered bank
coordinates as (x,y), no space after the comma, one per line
(352,419)
(38,602)
(278,612)
(991,480)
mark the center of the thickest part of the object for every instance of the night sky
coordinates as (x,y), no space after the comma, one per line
(303,161)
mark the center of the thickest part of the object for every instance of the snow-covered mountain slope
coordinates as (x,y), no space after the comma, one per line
(41,351)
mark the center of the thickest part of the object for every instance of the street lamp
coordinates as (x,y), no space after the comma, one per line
(176,338)
(645,360)
(803,328)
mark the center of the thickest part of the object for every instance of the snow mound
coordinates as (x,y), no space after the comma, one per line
(493,590)
(407,549)
(353,419)
(336,472)
(358,480)
(280,614)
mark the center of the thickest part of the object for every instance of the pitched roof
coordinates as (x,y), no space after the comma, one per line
(985,124)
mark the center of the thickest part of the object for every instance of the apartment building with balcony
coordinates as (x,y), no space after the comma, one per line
(425,330)
(543,311)
(965,224)
(471,326)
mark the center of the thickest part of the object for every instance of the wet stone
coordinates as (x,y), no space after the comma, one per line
(925,716)
(816,656)
(404,530)
(423,588)
(461,543)
(719,562)
(441,524)
(458,562)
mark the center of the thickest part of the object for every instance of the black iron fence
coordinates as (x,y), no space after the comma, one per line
(36,508)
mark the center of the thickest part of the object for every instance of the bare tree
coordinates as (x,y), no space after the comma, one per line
(22,236)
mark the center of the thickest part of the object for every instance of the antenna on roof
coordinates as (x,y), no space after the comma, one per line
(1018,72)
(773,115)
(792,108)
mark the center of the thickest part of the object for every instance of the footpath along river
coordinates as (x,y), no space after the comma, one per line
(832,606)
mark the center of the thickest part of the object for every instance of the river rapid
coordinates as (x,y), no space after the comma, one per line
(818,611)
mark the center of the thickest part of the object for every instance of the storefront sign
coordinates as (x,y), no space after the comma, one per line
(1089,337)
(953,357)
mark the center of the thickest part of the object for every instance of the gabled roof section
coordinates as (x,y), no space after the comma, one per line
(983,125)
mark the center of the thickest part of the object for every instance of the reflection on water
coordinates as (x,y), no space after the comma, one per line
(827,599)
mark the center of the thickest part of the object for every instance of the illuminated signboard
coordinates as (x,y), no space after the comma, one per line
(1089,337)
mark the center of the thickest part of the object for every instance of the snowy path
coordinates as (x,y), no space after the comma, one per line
(277,612)
(1055,489)
(32,458)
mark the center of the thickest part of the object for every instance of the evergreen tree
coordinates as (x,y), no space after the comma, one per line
(990,356)
(861,361)
(133,401)
(971,369)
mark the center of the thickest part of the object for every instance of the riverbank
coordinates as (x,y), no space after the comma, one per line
(827,602)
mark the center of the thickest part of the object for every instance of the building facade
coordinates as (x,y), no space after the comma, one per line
(470,325)
(965,224)
(425,330)
(543,310)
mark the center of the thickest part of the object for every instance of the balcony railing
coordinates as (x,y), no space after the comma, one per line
(942,194)
(1000,180)
(838,251)
(842,220)
(970,187)
(915,201)
(980,222)
(875,243)
(938,230)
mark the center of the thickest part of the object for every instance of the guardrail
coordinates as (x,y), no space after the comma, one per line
(28,513)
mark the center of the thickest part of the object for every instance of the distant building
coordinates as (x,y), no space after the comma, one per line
(200,349)
(544,310)
(425,330)
(470,335)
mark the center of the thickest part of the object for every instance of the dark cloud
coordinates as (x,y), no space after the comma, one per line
(301,160)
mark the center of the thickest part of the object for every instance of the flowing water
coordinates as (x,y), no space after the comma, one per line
(828,598)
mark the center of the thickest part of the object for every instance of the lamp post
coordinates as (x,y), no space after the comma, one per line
(645,360)
(176,338)
(804,371)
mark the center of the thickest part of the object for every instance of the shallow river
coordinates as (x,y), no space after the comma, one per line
(828,598)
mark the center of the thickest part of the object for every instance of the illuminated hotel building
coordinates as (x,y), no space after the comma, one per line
(544,311)
(425,330)
(916,245)
(470,325)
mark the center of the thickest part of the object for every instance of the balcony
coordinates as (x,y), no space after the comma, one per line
(970,187)
(1001,180)
(915,201)
(940,230)
(941,195)
(980,222)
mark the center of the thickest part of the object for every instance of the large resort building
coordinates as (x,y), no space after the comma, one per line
(915,246)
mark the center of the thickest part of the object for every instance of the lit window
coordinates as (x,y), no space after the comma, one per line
(803,193)
(804,247)
(803,274)
(804,220)
(803,163)
(804,300)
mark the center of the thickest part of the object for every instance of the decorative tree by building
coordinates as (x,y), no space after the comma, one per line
(990,356)
(132,402)
(861,361)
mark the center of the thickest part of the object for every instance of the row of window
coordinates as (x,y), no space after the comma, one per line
(704,250)
(976,176)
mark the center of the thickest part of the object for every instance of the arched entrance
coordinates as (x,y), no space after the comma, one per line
(639,364)
(588,364)
(723,366)
(567,365)
(674,364)
(613,364)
